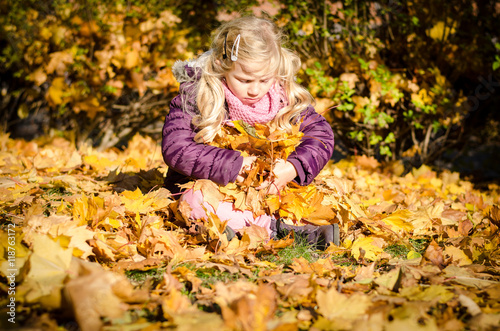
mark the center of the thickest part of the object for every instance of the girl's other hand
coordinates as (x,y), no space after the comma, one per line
(248,161)
(284,172)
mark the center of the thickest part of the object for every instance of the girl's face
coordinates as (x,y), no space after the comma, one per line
(249,83)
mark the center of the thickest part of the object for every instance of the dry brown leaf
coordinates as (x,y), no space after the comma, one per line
(97,293)
(434,253)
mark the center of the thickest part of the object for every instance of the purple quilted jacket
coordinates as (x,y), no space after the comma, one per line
(188,160)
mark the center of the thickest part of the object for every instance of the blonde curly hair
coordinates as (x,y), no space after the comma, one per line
(261,41)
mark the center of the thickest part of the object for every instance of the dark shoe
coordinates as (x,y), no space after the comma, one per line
(230,234)
(319,236)
(336,234)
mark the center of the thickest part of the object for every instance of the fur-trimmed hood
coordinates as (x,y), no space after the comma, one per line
(185,71)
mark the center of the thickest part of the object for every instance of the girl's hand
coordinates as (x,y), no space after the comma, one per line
(248,161)
(284,172)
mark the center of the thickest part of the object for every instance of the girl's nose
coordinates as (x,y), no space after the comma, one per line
(253,90)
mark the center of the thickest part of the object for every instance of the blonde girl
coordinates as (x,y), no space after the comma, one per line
(246,75)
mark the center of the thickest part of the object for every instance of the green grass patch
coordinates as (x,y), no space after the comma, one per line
(344,260)
(300,248)
(57,191)
(140,276)
(212,276)
(397,251)
(420,245)
(401,251)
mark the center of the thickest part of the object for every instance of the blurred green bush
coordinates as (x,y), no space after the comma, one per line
(392,77)
(389,74)
(100,69)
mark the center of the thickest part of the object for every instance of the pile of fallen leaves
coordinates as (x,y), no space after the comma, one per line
(419,251)
(268,144)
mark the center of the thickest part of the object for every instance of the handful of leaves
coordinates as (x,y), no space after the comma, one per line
(268,144)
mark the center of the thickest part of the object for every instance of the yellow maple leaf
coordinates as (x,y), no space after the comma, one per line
(99,163)
(136,203)
(49,263)
(85,210)
(239,196)
(372,247)
(334,305)
(457,255)
(397,221)
(254,236)
(430,293)
(96,293)
(424,218)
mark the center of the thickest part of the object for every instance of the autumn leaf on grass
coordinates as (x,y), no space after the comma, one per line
(254,236)
(340,186)
(453,217)
(102,250)
(301,266)
(425,218)
(397,221)
(197,319)
(273,244)
(369,163)
(390,280)
(88,210)
(412,316)
(100,164)
(226,294)
(439,293)
(166,244)
(340,310)
(96,293)
(75,237)
(49,264)
(246,306)
(371,248)
(494,214)
(99,212)
(136,204)
(457,255)
(434,253)
(184,274)
(121,244)
(464,276)
(365,274)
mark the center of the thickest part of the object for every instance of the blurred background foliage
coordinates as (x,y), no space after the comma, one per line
(398,80)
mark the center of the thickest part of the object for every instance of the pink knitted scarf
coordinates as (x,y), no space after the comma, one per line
(262,111)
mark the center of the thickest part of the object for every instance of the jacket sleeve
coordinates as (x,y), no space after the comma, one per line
(315,149)
(184,155)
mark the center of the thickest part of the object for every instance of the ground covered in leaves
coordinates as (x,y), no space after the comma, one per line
(90,239)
